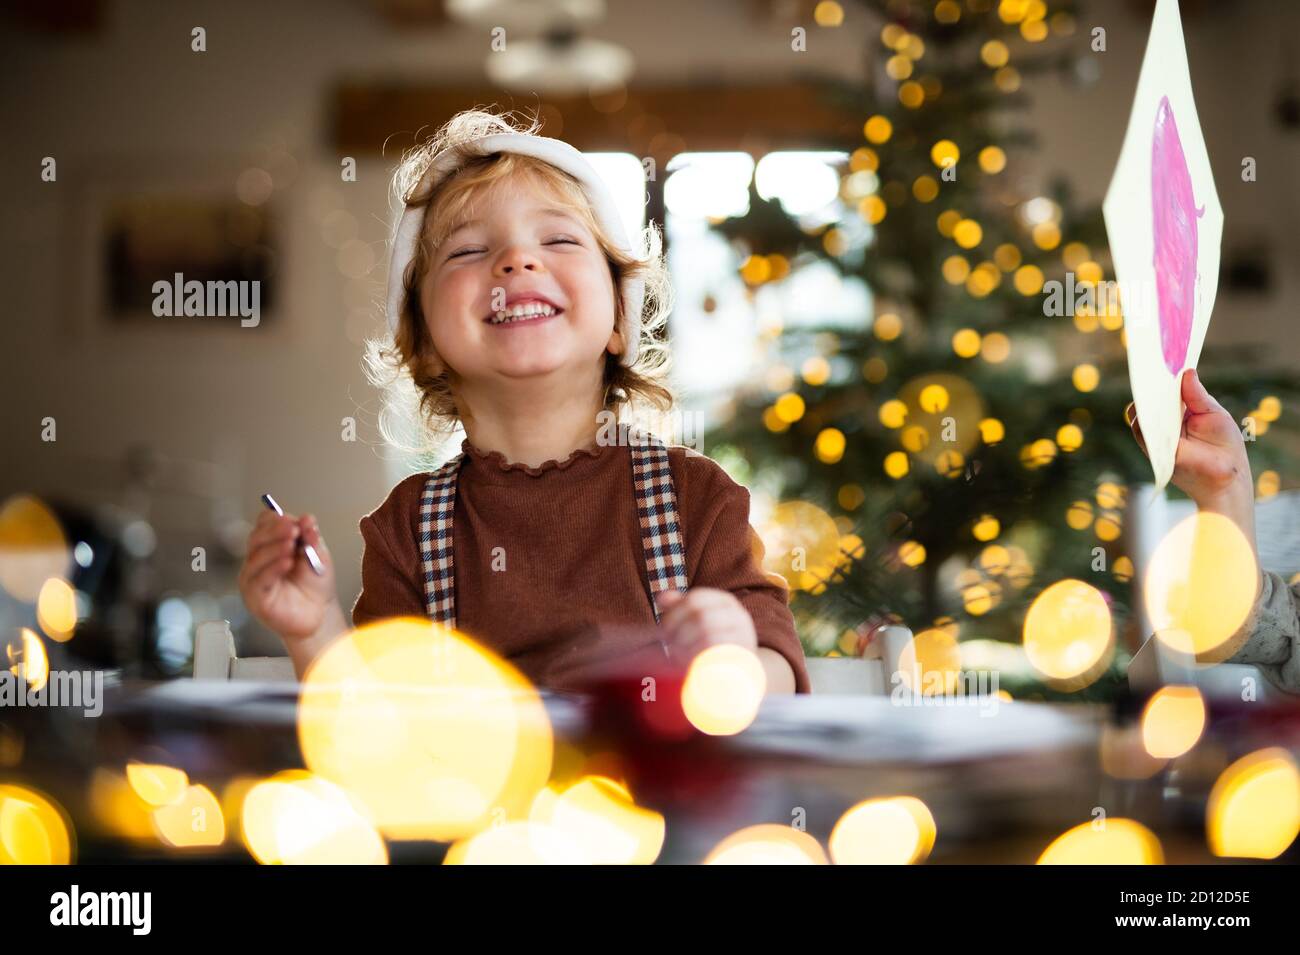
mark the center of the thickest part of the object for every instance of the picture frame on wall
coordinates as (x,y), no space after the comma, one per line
(172,242)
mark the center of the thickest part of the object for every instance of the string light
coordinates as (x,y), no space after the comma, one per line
(878,129)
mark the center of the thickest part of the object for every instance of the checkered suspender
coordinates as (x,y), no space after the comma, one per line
(656,503)
(437,506)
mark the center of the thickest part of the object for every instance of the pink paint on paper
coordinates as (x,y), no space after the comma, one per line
(1174,212)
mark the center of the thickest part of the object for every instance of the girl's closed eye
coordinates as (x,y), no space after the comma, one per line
(555,241)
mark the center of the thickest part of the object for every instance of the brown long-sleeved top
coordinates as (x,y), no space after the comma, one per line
(550,571)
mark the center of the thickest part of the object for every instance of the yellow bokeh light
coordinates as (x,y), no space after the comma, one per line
(518,843)
(1201,584)
(899,66)
(872,209)
(996,348)
(192,821)
(878,129)
(295,818)
(986,528)
(992,160)
(816,370)
(864,158)
(1079,515)
(893,413)
(1046,235)
(767,844)
(1172,721)
(912,553)
(723,688)
(1068,630)
(828,13)
(967,233)
(944,153)
(893,830)
(1254,807)
(118,809)
(930,663)
(789,407)
(966,343)
(994,53)
(995,559)
(1028,280)
(1043,451)
(934,399)
(1105,842)
(1007,79)
(33,829)
(984,278)
(992,430)
(830,444)
(925,188)
(912,94)
(1033,30)
(887,326)
(600,816)
(30,662)
(1074,254)
(756,269)
(1107,527)
(914,439)
(772,421)
(950,463)
(156,784)
(32,547)
(429,730)
(955,269)
(1007,256)
(1110,495)
(1268,484)
(1069,437)
(801,543)
(1088,273)
(947,11)
(979,599)
(896,465)
(1085,377)
(56,609)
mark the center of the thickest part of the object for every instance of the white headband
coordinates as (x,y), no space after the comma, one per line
(559,154)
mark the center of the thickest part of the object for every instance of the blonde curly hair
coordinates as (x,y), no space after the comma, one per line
(418,385)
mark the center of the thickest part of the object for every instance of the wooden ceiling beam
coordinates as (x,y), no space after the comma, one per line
(659,121)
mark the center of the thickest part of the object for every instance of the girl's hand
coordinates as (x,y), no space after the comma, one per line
(278,585)
(704,617)
(1210,465)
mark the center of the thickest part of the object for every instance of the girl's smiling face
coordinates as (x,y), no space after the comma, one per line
(516,244)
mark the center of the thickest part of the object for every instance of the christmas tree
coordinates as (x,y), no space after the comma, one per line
(965,448)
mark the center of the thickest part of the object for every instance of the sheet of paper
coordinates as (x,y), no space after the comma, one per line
(1165,223)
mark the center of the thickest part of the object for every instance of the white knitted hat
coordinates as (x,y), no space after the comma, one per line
(559,154)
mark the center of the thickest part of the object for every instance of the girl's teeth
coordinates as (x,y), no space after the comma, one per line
(521,313)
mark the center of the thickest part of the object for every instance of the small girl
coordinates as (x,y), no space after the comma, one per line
(560,537)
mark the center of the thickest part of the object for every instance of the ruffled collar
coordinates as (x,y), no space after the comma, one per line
(496,461)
